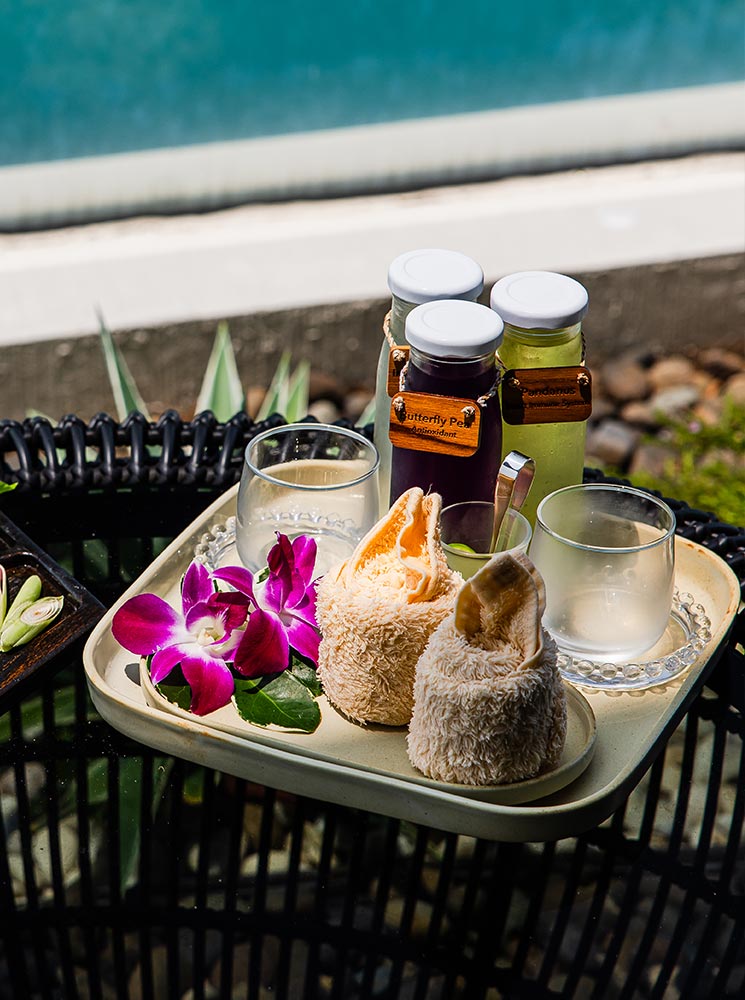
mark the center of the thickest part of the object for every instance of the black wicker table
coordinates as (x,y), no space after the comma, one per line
(125,873)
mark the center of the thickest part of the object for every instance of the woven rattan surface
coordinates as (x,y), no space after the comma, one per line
(127,874)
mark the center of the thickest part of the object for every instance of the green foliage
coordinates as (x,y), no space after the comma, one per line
(7,487)
(288,391)
(708,469)
(221,389)
(280,700)
(127,397)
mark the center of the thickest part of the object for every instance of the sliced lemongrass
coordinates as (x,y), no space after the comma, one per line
(30,591)
(32,620)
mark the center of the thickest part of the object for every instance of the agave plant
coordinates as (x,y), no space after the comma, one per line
(221,390)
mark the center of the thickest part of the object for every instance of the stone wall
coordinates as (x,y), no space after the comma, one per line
(664,307)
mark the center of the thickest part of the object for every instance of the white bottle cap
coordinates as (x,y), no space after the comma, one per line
(539,300)
(423,275)
(453,328)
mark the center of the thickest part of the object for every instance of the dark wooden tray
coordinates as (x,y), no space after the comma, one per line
(22,667)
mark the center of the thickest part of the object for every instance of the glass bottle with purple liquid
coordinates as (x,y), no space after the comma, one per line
(453,344)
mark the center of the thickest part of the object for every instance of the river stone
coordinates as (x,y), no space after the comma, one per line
(639,413)
(324,411)
(625,379)
(612,441)
(675,400)
(671,371)
(720,362)
(651,458)
(734,389)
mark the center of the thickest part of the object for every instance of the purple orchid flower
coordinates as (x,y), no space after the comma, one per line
(201,638)
(285,608)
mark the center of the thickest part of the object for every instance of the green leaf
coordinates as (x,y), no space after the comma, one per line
(279,700)
(298,393)
(177,694)
(306,674)
(127,397)
(7,487)
(221,390)
(275,400)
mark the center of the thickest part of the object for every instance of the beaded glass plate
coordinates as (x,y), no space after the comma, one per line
(216,547)
(687,634)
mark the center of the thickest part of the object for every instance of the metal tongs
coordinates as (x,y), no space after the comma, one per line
(514,480)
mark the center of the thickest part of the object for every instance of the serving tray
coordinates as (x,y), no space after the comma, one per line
(604,767)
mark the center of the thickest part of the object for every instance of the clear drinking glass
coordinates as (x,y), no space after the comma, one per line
(471,524)
(306,479)
(607,556)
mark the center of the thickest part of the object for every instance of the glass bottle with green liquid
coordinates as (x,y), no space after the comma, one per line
(542,353)
(415,277)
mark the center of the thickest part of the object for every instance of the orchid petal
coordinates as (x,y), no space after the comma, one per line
(280,583)
(145,623)
(211,683)
(202,616)
(233,608)
(304,549)
(264,648)
(304,638)
(238,577)
(164,661)
(306,609)
(224,650)
(196,587)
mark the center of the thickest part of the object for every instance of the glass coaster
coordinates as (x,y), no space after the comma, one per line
(687,633)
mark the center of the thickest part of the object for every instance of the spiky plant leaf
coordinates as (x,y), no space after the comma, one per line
(221,389)
(275,400)
(298,393)
(127,396)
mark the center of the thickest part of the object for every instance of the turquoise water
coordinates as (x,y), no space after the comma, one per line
(85,77)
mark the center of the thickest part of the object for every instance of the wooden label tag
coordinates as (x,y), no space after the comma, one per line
(421,421)
(546,395)
(397,358)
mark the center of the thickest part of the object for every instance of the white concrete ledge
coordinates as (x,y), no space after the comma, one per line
(375,157)
(147,272)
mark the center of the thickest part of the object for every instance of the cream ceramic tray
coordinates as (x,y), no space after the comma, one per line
(613,737)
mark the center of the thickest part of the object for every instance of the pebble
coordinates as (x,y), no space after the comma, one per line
(675,400)
(671,372)
(324,411)
(639,413)
(625,380)
(613,442)
(677,388)
(651,458)
(734,389)
(720,362)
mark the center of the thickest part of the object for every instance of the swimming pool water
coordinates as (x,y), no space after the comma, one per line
(87,77)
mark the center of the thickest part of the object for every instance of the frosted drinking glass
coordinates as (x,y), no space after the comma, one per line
(471,523)
(607,555)
(306,479)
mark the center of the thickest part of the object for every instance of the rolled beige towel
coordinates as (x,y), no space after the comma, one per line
(489,702)
(377,610)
